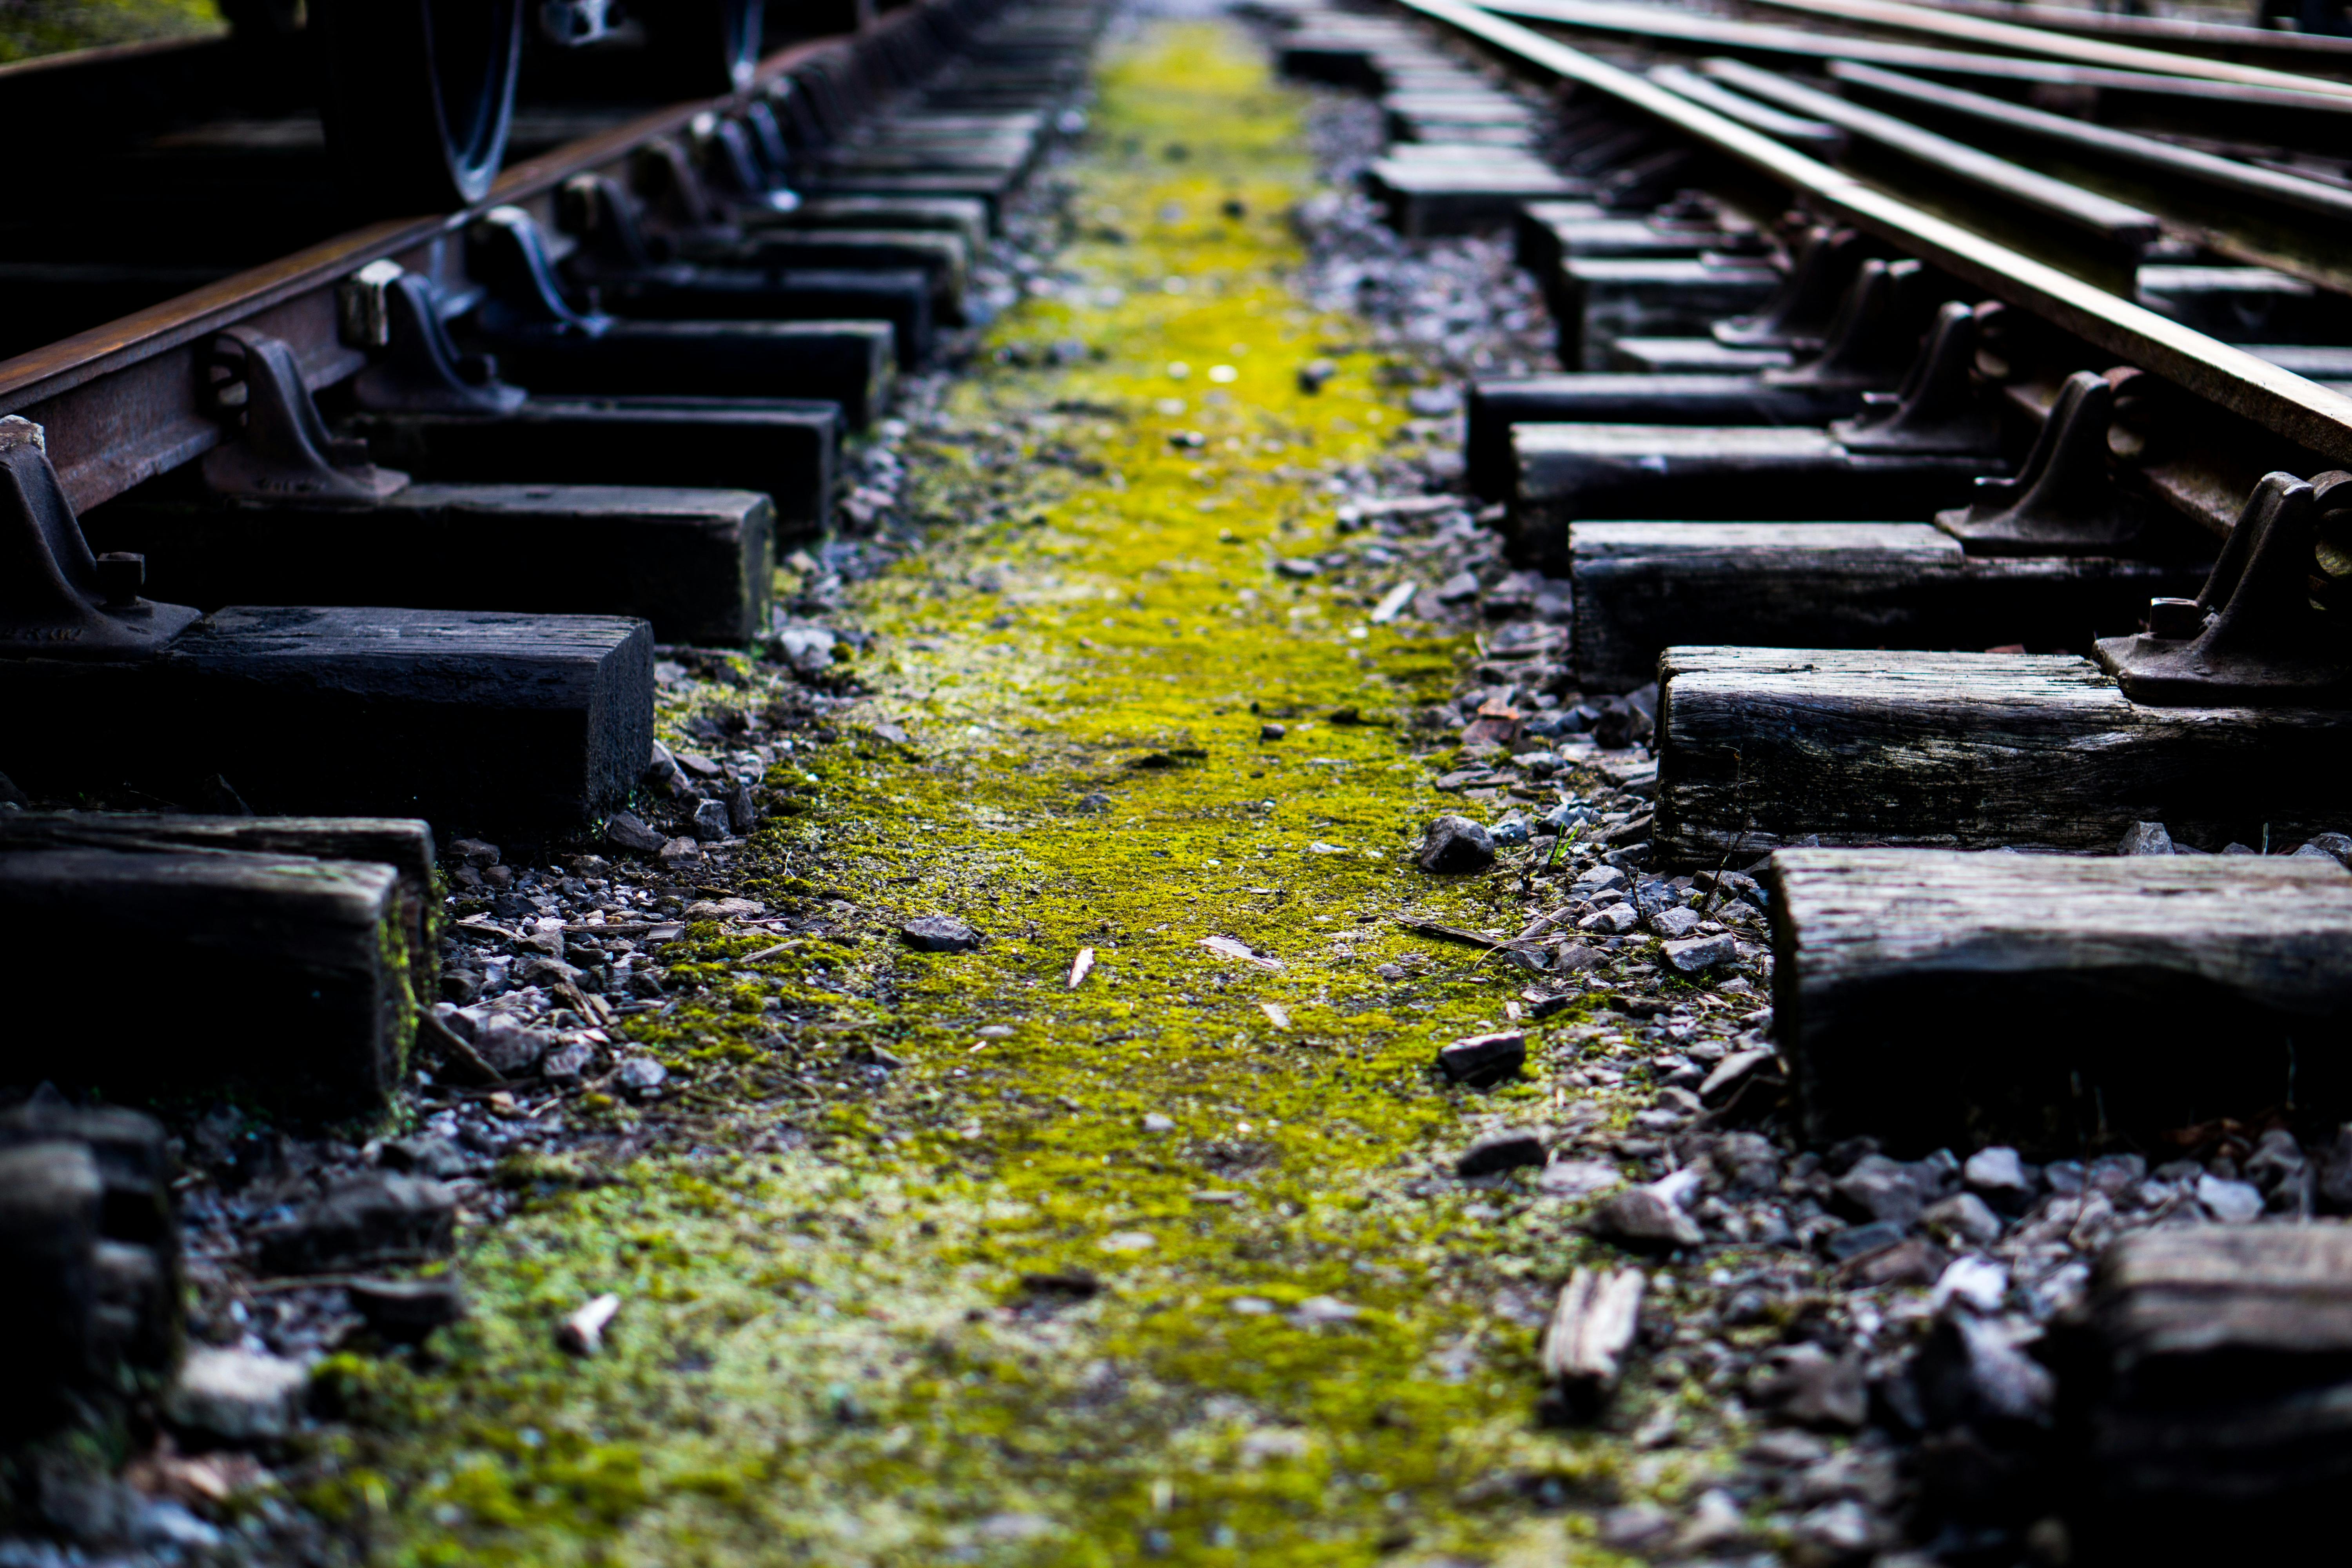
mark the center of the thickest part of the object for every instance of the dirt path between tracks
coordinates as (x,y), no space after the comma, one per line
(968,1258)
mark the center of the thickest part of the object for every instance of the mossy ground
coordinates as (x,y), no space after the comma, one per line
(825,1354)
(30,27)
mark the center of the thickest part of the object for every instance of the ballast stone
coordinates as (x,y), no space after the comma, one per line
(640,1075)
(1700,953)
(1964,1216)
(1997,1175)
(1455,845)
(939,933)
(1675,922)
(405,1311)
(1640,1220)
(1482,1061)
(375,1219)
(629,831)
(1615,920)
(236,1395)
(1505,1150)
(2231,1203)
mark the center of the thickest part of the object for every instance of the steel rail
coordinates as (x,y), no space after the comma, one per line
(2303,411)
(1762,117)
(1716,34)
(2227,174)
(2174,31)
(1901,17)
(122,401)
(2117,222)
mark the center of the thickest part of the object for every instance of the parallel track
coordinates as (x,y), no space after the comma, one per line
(2303,411)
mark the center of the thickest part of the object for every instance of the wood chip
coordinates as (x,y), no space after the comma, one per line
(1590,1329)
(1393,602)
(1225,946)
(583,1333)
(1450,933)
(587,1003)
(1544,923)
(764,952)
(1081,966)
(460,1062)
(1276,1013)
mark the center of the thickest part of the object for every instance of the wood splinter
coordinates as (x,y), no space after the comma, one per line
(583,1333)
(1584,1344)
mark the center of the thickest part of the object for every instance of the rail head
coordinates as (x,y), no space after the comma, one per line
(1709,33)
(1896,16)
(2175,32)
(2245,179)
(2302,411)
(2113,221)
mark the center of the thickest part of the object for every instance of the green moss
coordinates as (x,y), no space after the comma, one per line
(32,28)
(825,1353)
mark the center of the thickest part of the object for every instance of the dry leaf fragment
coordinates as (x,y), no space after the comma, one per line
(1226,947)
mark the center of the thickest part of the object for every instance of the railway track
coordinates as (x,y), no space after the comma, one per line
(1725,218)
(1943,459)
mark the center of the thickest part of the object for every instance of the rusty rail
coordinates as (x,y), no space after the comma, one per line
(122,401)
(2303,411)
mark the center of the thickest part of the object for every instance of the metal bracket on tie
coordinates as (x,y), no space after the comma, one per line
(731,159)
(594,210)
(1644,181)
(506,251)
(2253,635)
(766,134)
(1876,334)
(57,599)
(570,23)
(1938,409)
(2064,500)
(1798,315)
(662,174)
(283,448)
(421,371)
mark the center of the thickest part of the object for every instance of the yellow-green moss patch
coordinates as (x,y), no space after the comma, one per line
(1303,1349)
